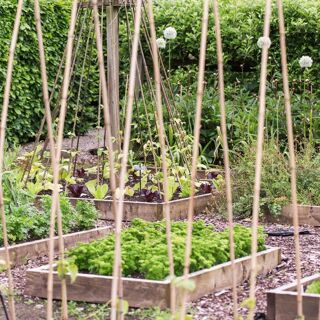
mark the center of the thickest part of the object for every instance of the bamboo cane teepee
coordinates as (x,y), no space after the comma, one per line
(178,308)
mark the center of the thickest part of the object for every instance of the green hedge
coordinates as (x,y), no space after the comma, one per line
(241,27)
(26,107)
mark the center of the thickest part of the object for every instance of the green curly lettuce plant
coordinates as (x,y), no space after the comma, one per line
(208,249)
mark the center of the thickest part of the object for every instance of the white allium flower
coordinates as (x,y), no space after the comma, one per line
(161,43)
(264,41)
(138,167)
(170,33)
(305,62)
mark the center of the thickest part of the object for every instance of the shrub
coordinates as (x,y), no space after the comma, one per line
(26,106)
(275,180)
(241,27)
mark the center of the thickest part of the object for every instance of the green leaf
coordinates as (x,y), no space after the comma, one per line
(249,303)
(101,191)
(61,269)
(314,287)
(129,191)
(73,270)
(91,186)
(186,284)
(122,306)
(34,188)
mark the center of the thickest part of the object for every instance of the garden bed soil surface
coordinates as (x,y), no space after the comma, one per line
(215,306)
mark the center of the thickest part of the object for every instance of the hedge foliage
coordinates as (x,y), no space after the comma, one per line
(26,107)
(241,27)
(241,24)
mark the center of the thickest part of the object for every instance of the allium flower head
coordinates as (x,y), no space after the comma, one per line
(305,62)
(264,41)
(161,43)
(170,33)
(138,167)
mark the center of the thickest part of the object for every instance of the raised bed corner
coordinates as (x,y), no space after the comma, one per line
(21,253)
(142,293)
(282,302)
(307,215)
(150,211)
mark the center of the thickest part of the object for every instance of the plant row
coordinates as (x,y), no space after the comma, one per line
(28,222)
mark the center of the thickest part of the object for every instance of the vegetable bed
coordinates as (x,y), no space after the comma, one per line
(151,211)
(29,221)
(209,248)
(282,302)
(145,282)
(28,227)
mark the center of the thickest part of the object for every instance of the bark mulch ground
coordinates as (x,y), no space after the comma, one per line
(217,305)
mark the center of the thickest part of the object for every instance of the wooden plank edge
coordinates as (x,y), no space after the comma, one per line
(292,286)
(172,202)
(20,253)
(42,273)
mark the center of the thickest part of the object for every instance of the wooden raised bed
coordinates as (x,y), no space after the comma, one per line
(21,253)
(282,302)
(150,211)
(307,215)
(148,293)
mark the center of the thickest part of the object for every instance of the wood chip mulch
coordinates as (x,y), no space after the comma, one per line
(217,305)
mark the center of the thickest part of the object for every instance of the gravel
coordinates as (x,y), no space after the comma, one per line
(219,304)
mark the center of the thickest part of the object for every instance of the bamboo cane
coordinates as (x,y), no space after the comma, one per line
(4,116)
(259,153)
(292,160)
(196,138)
(56,169)
(48,117)
(125,152)
(226,156)
(161,133)
(106,112)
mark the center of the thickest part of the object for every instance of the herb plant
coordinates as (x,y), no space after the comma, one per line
(314,287)
(208,248)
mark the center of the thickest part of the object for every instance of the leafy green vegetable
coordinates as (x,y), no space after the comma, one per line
(98,191)
(208,248)
(27,222)
(64,267)
(314,287)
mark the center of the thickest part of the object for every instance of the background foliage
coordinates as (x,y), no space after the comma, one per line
(26,107)
(241,27)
